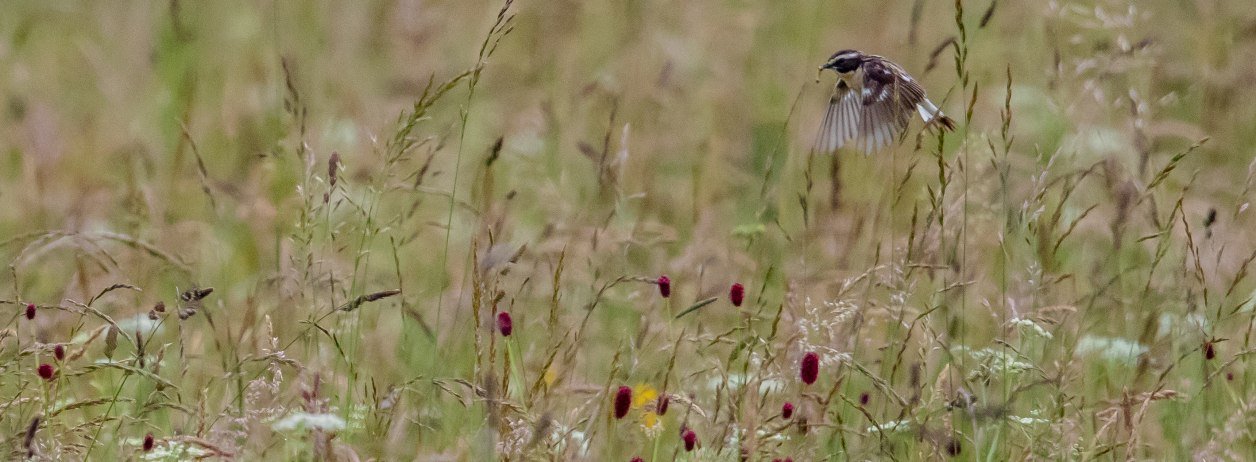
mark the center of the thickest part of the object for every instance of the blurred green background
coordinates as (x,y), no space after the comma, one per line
(173,145)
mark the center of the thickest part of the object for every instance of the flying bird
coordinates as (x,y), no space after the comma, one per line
(872,103)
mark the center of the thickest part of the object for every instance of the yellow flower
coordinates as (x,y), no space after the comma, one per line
(651,424)
(643,394)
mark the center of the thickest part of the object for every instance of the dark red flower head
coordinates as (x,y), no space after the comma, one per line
(787,410)
(810,368)
(737,293)
(148,442)
(637,459)
(30,311)
(59,352)
(953,447)
(660,407)
(1209,350)
(863,398)
(690,438)
(665,286)
(623,400)
(504,324)
(46,371)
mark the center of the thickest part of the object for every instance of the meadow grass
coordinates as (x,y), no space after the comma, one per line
(437,231)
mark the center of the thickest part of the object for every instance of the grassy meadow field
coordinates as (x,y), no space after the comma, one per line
(302,230)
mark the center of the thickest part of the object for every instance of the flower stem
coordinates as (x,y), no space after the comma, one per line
(516,371)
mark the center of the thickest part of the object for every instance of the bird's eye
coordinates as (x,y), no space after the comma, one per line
(846,65)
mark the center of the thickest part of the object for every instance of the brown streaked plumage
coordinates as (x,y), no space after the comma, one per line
(872,103)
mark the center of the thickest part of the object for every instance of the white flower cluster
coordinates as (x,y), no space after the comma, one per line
(894,426)
(994,362)
(1031,327)
(1113,349)
(304,421)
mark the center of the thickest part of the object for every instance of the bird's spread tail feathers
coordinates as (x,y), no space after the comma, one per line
(931,114)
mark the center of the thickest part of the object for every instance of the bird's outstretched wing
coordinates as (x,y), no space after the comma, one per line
(871,116)
(841,121)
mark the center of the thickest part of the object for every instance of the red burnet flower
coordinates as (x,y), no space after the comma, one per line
(46,371)
(809,370)
(737,293)
(30,311)
(59,352)
(148,442)
(660,407)
(1209,351)
(863,398)
(637,459)
(505,325)
(623,400)
(665,286)
(787,410)
(690,438)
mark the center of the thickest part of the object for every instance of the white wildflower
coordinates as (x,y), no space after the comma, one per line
(1027,420)
(1113,349)
(1028,325)
(564,435)
(514,441)
(173,450)
(736,381)
(895,426)
(1168,324)
(994,362)
(305,420)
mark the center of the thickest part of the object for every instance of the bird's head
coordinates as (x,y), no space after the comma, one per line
(844,61)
